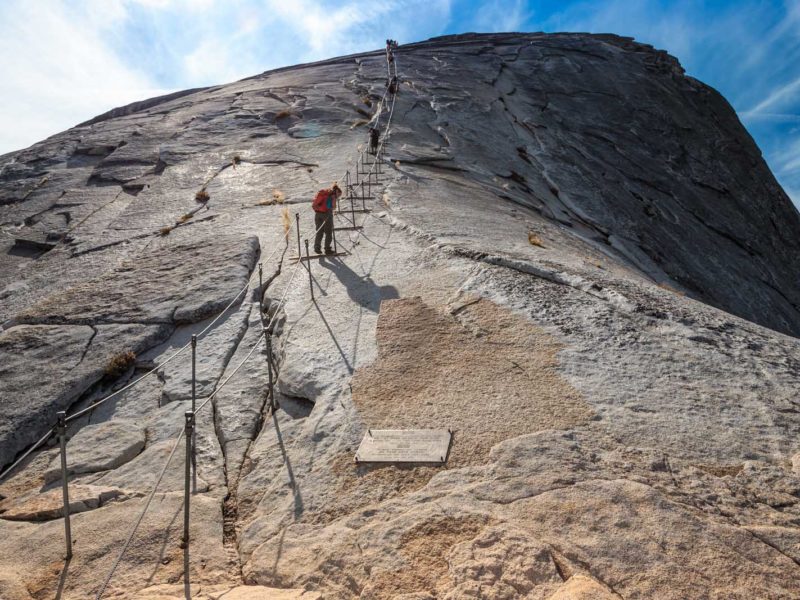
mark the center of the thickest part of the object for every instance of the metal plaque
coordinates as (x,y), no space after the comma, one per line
(404,446)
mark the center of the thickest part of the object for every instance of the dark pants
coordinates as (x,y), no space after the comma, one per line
(323,223)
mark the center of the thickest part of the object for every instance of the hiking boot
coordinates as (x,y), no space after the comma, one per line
(329,251)
(317,251)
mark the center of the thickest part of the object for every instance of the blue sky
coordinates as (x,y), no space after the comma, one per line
(64,61)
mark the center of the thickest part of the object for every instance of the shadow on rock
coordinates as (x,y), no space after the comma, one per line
(361,289)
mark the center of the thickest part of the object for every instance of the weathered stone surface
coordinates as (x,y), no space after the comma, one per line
(99,447)
(45,368)
(181,282)
(554,208)
(35,550)
(216,592)
(580,587)
(50,505)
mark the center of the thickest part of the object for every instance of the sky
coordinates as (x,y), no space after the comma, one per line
(65,61)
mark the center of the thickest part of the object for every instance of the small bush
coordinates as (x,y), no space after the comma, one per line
(165,231)
(185,218)
(120,363)
(286,221)
(366,100)
(202,196)
(386,202)
(535,240)
(278,196)
(284,114)
(236,160)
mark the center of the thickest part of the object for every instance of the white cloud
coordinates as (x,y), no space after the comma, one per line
(57,71)
(501,16)
(787,93)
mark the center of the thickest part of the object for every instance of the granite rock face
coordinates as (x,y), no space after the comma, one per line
(575,258)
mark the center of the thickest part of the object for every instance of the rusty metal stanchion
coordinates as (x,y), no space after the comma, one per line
(310,279)
(189,432)
(299,251)
(194,397)
(272,404)
(62,439)
(352,206)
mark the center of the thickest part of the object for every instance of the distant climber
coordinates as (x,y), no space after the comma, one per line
(392,85)
(374,138)
(324,205)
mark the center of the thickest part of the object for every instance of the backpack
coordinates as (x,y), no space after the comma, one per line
(320,203)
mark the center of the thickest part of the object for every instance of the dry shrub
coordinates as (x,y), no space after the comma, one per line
(185,218)
(284,114)
(386,202)
(120,363)
(358,123)
(286,221)
(202,196)
(278,196)
(236,160)
(535,240)
(366,100)
(397,164)
(165,231)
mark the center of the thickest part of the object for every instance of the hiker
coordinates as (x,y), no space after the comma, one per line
(324,205)
(374,137)
(393,85)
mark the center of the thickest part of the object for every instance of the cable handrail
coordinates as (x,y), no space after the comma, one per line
(156,368)
(139,520)
(266,330)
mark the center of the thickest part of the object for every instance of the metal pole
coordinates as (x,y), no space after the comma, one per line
(353,208)
(62,438)
(333,231)
(194,396)
(310,279)
(369,192)
(189,414)
(260,287)
(299,251)
(268,337)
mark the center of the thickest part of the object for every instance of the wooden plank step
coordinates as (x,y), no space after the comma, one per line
(313,256)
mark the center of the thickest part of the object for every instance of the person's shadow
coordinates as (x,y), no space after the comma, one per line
(361,289)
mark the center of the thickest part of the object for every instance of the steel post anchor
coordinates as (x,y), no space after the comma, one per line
(299,251)
(272,404)
(62,439)
(333,230)
(260,288)
(310,279)
(194,397)
(189,433)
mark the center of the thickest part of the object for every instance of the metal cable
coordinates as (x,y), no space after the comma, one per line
(180,436)
(27,453)
(139,519)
